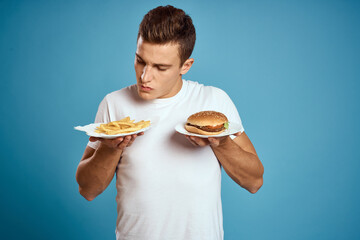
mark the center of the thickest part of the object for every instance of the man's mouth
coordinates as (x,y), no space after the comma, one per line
(145,88)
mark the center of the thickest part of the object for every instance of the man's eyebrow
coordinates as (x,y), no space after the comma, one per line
(155,64)
(138,56)
(162,65)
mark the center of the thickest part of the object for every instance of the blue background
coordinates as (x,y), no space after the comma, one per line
(291,68)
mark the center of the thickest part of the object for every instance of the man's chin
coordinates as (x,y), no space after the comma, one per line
(146,96)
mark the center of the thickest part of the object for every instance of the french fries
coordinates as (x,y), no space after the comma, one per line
(121,126)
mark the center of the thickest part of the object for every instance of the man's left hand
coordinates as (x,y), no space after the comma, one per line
(212,141)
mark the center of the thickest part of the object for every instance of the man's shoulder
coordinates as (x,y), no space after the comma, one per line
(121,94)
(206,89)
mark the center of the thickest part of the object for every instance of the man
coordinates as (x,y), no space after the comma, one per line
(168,185)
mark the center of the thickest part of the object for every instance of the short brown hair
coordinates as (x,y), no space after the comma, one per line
(167,24)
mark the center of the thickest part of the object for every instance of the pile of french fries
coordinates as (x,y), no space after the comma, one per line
(125,125)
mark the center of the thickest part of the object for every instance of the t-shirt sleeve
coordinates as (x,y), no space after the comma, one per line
(229,109)
(102,116)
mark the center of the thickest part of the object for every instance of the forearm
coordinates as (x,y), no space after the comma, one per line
(95,173)
(243,167)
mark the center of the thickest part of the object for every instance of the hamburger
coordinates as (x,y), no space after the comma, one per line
(207,123)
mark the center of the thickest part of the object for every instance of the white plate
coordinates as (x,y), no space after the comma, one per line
(233,128)
(90,131)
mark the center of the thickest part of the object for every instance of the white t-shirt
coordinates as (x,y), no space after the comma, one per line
(166,187)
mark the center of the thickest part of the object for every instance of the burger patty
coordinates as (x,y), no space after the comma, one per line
(217,128)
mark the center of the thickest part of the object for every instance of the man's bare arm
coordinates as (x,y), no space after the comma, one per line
(97,167)
(238,158)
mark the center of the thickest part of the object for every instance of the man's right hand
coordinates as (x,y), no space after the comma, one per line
(119,143)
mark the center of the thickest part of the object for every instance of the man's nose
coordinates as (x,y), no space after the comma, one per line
(147,74)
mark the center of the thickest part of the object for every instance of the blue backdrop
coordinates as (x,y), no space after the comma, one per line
(291,68)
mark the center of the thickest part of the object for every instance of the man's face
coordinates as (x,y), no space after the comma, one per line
(158,70)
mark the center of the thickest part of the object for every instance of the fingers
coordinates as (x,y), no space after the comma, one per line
(202,142)
(197,141)
(119,142)
(132,139)
(124,143)
(190,140)
(214,142)
(112,143)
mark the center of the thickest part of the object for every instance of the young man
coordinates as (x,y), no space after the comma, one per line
(168,185)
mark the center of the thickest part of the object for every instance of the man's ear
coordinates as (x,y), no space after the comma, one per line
(186,66)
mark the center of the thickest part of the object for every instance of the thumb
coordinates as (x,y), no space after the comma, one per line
(214,141)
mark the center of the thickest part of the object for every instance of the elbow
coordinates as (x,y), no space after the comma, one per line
(88,196)
(256,186)
(87,193)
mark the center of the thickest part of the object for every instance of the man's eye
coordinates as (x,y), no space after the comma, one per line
(139,61)
(162,69)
